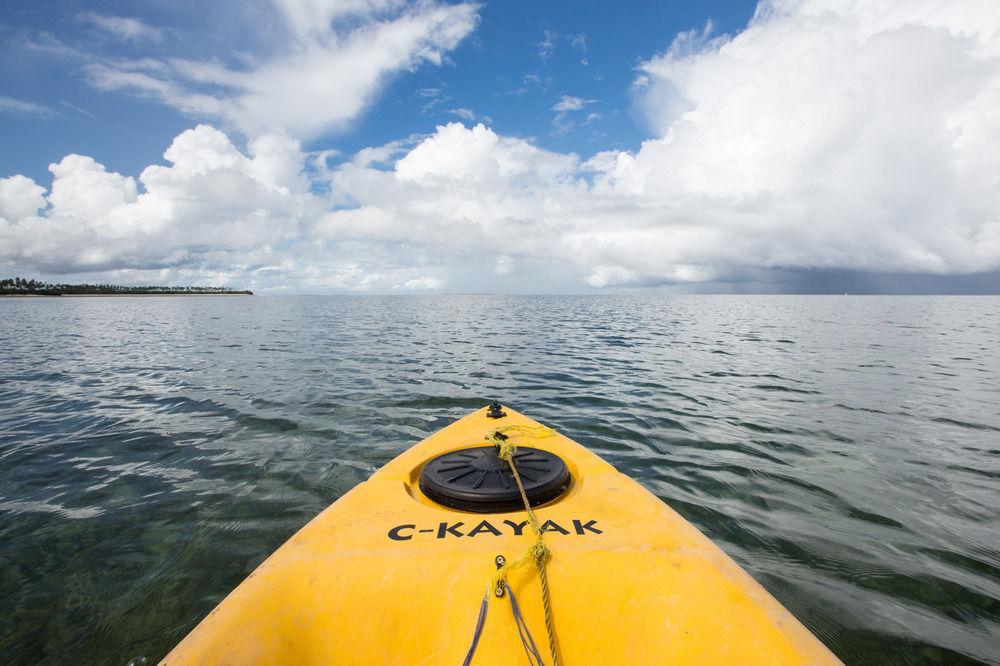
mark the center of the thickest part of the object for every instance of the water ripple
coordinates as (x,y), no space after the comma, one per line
(843,450)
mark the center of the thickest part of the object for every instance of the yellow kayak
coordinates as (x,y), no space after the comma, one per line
(435,560)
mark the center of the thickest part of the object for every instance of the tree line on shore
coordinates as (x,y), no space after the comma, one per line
(21,286)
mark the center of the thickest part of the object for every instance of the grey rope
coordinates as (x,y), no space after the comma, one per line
(534,658)
(522,629)
(479,630)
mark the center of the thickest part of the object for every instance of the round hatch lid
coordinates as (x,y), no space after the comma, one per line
(478,480)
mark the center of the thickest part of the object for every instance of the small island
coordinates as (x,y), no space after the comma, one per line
(21,287)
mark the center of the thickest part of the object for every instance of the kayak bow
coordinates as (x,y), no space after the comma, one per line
(388,575)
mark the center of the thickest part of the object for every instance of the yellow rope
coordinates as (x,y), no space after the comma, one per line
(537,552)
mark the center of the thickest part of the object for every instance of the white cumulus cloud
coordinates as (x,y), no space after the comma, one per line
(212,206)
(828,134)
(212,214)
(20,197)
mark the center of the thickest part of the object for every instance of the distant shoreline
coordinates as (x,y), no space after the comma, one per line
(152,293)
(17,286)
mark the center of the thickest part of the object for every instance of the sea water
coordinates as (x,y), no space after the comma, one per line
(844,450)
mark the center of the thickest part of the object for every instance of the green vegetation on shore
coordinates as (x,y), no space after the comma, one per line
(19,286)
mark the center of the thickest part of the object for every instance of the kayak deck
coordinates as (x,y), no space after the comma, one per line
(387,576)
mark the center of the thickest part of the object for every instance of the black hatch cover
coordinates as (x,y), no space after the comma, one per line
(478,480)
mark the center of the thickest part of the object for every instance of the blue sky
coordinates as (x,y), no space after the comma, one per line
(522,58)
(384,146)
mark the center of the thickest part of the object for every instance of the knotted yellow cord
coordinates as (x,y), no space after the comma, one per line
(537,552)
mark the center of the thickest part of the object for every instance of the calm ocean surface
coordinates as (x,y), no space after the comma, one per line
(844,450)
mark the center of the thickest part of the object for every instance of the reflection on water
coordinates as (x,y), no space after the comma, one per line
(845,450)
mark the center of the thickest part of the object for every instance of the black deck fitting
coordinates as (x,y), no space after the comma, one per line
(496,410)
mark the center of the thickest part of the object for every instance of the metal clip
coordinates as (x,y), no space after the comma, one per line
(500,560)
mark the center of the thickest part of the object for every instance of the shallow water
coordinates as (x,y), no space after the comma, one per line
(844,450)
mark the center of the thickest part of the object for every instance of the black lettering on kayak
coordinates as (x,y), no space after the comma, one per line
(553,526)
(517,526)
(589,525)
(444,529)
(484,527)
(396,533)
(407,531)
